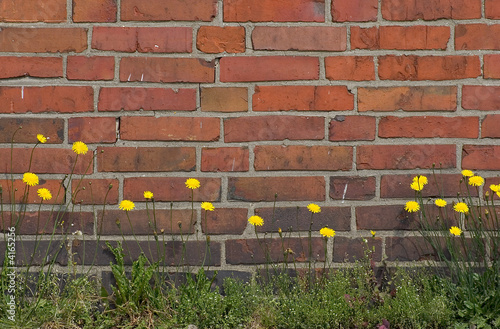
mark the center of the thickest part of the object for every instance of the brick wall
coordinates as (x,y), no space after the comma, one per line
(337,102)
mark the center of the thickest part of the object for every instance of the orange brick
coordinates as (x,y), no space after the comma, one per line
(352,128)
(354,10)
(357,68)
(492,66)
(225,159)
(94,11)
(314,38)
(27,11)
(410,10)
(477,36)
(39,67)
(484,98)
(428,127)
(92,130)
(216,39)
(43,40)
(224,99)
(274,11)
(90,68)
(168,10)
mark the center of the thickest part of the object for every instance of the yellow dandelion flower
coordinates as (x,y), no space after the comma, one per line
(327,232)
(440,203)
(148,195)
(461,207)
(256,220)
(373,233)
(30,179)
(467,173)
(314,208)
(279,230)
(412,206)
(41,138)
(422,180)
(416,186)
(498,193)
(126,205)
(192,183)
(495,188)
(44,194)
(80,147)
(456,231)
(207,206)
(476,180)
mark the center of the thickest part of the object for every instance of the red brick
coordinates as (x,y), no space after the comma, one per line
(224,221)
(352,188)
(491,66)
(410,10)
(256,189)
(481,157)
(168,10)
(62,99)
(294,219)
(224,99)
(274,11)
(114,38)
(147,99)
(268,68)
(246,129)
(398,186)
(314,38)
(38,67)
(92,129)
(156,159)
(224,159)
(415,37)
(25,11)
(251,251)
(492,9)
(164,39)
(490,126)
(351,250)
(302,98)
(90,68)
(485,98)
(424,98)
(405,156)
(428,127)
(297,157)
(477,36)
(95,191)
(357,68)
(169,129)
(54,186)
(45,161)
(43,222)
(171,189)
(143,223)
(43,40)
(385,218)
(163,69)
(354,10)
(352,128)
(428,67)
(94,11)
(217,39)
(411,249)
(53,129)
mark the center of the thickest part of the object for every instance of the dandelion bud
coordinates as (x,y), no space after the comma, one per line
(487,194)
(90,183)
(208,238)
(117,222)
(110,186)
(83,188)
(179,223)
(162,231)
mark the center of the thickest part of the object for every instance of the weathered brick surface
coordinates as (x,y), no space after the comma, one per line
(19,187)
(439,98)
(274,11)
(225,159)
(491,66)
(428,67)
(354,11)
(129,159)
(295,157)
(62,99)
(492,9)
(352,188)
(94,11)
(147,99)
(92,130)
(95,191)
(400,37)
(37,67)
(351,250)
(214,39)
(53,129)
(352,128)
(45,222)
(405,156)
(489,126)
(268,68)
(302,98)
(299,38)
(485,98)
(224,221)
(279,188)
(357,68)
(90,68)
(476,36)
(170,129)
(224,99)
(428,126)
(273,128)
(170,10)
(43,40)
(482,157)
(25,11)
(408,10)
